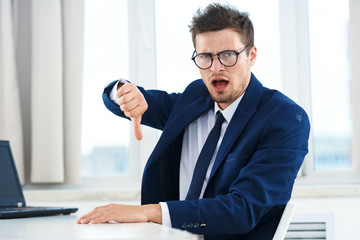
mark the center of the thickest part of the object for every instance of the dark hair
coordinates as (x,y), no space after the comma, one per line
(217,17)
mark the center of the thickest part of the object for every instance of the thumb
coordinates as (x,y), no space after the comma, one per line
(137,127)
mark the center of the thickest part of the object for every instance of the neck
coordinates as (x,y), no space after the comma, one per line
(222,106)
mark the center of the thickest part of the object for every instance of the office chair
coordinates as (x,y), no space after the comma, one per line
(284,221)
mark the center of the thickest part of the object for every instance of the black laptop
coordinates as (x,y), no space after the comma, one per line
(12,201)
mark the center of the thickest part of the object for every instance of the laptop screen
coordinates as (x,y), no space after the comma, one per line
(10,188)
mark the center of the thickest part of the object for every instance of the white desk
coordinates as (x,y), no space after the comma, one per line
(65,227)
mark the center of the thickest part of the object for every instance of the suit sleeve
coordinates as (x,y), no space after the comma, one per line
(265,182)
(160,106)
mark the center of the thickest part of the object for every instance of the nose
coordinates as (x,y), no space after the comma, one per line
(217,66)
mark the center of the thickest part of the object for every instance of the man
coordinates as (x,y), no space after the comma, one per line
(240,191)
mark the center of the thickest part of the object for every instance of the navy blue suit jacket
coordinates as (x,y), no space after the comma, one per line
(255,168)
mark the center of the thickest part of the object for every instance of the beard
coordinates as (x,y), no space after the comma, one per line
(235,87)
(223,97)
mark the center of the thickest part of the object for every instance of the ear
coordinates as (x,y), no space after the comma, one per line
(253,54)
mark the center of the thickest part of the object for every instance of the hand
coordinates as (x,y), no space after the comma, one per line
(123,214)
(132,102)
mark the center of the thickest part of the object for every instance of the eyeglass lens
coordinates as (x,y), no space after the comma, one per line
(205,60)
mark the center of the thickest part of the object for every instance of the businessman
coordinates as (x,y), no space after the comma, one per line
(230,150)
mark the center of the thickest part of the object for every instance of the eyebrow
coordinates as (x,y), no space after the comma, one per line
(217,52)
(238,52)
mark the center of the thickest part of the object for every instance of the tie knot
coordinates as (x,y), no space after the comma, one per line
(219,118)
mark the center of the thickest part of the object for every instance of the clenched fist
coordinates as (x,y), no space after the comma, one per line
(132,102)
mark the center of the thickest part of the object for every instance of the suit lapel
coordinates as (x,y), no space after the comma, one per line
(183,118)
(246,109)
(189,113)
(234,129)
(164,161)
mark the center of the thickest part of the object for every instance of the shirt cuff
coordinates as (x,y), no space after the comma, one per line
(114,90)
(166,221)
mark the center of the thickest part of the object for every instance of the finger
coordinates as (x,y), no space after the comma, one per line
(86,219)
(137,127)
(126,98)
(128,106)
(125,89)
(101,219)
(82,219)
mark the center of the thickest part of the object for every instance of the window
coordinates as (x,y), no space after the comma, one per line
(318,77)
(330,84)
(294,40)
(302,50)
(105,137)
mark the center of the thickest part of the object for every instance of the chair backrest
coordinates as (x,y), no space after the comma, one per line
(284,221)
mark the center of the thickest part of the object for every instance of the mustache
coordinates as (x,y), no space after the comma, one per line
(219,76)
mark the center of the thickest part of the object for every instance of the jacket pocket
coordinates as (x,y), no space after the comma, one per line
(237,156)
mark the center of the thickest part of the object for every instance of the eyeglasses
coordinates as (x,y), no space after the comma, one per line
(228,58)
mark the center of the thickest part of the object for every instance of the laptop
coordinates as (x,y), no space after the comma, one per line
(12,201)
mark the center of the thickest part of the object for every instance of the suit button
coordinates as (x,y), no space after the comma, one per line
(196,225)
(184,225)
(190,225)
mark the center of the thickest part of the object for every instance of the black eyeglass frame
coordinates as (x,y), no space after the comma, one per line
(218,56)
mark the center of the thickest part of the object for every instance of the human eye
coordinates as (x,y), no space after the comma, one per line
(203,56)
(227,54)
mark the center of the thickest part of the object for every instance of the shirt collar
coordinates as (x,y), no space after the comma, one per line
(230,110)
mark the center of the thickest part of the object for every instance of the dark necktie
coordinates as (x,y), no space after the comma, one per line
(204,159)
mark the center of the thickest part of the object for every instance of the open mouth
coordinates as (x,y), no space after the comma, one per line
(220,83)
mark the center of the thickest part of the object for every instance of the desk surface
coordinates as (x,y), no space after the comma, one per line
(65,227)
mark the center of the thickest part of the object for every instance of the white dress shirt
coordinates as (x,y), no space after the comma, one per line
(194,139)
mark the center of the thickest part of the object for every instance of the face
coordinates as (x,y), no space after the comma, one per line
(225,84)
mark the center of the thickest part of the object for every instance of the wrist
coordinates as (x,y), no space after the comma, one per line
(153,213)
